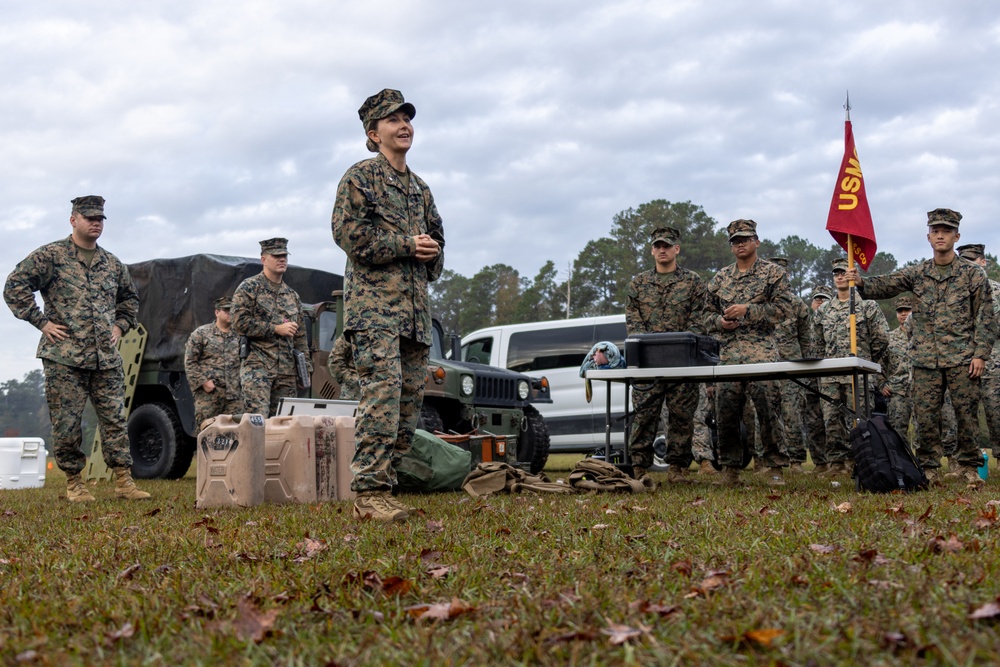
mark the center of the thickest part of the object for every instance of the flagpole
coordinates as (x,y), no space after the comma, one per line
(850,265)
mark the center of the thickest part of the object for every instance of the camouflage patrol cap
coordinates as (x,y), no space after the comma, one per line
(944,216)
(275,246)
(904,303)
(667,235)
(224,303)
(822,292)
(972,251)
(379,106)
(741,228)
(91,206)
(839,264)
(780,261)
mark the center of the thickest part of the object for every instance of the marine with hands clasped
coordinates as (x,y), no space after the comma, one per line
(745,302)
(269,313)
(952,332)
(386,221)
(212,366)
(663,299)
(90,303)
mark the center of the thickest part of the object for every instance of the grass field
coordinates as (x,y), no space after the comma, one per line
(808,574)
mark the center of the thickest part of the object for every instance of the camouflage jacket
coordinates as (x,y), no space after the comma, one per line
(793,334)
(260,305)
(899,362)
(952,322)
(661,302)
(88,301)
(213,354)
(374,220)
(831,331)
(993,363)
(764,288)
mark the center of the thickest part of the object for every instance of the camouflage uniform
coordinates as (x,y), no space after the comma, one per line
(213,354)
(812,417)
(259,305)
(792,336)
(764,287)
(831,329)
(701,441)
(341,367)
(952,323)
(387,319)
(89,301)
(990,385)
(900,401)
(658,303)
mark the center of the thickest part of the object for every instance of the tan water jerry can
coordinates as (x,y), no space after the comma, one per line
(290,459)
(334,453)
(231,462)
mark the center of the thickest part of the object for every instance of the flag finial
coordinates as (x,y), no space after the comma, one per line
(847,105)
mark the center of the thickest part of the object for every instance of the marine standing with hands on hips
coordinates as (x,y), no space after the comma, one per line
(386,221)
(90,303)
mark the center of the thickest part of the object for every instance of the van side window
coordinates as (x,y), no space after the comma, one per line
(478,351)
(615,332)
(549,348)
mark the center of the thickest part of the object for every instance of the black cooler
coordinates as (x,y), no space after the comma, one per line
(675,348)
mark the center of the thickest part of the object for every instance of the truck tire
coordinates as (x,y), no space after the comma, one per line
(159,446)
(430,419)
(533,441)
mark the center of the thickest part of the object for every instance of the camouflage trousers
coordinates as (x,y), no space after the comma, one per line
(262,391)
(701,439)
(990,390)
(812,417)
(899,413)
(838,424)
(949,427)
(214,403)
(928,388)
(66,391)
(680,400)
(392,370)
(792,403)
(730,403)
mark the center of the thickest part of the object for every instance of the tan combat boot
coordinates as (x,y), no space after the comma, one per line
(775,476)
(797,468)
(967,474)
(76,490)
(727,477)
(378,505)
(678,475)
(706,468)
(125,487)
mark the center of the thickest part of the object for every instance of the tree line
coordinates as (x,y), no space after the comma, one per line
(600,274)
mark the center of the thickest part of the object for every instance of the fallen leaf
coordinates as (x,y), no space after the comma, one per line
(697,501)
(251,622)
(620,634)
(434,526)
(844,507)
(573,636)
(124,632)
(822,548)
(444,611)
(800,580)
(310,547)
(866,556)
(682,567)
(600,526)
(428,556)
(940,545)
(439,571)
(926,515)
(396,586)
(762,638)
(989,610)
(153,512)
(129,571)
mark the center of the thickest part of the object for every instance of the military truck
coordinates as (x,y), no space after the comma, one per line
(177,295)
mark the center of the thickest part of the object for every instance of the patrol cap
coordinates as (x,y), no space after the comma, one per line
(91,206)
(382,104)
(738,228)
(944,216)
(839,264)
(780,261)
(904,303)
(822,292)
(224,303)
(275,246)
(667,235)
(972,251)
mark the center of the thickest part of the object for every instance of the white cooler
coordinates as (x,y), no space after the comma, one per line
(22,463)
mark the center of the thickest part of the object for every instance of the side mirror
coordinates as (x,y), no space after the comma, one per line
(456,348)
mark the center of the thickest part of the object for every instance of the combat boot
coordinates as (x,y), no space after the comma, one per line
(967,474)
(836,469)
(820,468)
(679,475)
(638,472)
(396,502)
(797,468)
(125,487)
(76,490)
(775,476)
(727,477)
(378,505)
(706,468)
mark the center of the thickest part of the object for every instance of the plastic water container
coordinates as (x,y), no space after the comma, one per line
(22,463)
(984,470)
(231,462)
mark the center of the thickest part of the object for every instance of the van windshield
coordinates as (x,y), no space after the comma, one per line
(546,349)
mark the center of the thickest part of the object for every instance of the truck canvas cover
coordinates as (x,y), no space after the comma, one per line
(176,296)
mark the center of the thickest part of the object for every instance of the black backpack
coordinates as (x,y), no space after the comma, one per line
(883,461)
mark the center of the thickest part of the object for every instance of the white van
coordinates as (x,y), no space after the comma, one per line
(556,350)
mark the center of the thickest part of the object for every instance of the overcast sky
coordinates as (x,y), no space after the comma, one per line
(209,126)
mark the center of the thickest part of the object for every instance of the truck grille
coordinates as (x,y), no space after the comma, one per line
(495,390)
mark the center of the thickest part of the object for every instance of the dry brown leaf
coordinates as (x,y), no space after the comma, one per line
(251,622)
(153,512)
(763,638)
(926,515)
(990,610)
(573,636)
(124,632)
(443,611)
(129,572)
(822,548)
(941,545)
(439,571)
(866,556)
(396,586)
(600,526)
(800,580)
(428,556)
(844,507)
(620,634)
(434,526)
(310,547)
(683,567)
(697,501)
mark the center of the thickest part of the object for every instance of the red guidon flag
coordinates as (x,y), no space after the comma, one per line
(849,212)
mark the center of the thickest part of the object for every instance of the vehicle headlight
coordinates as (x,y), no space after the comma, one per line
(468,385)
(523,390)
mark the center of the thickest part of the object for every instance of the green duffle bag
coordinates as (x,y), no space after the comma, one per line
(432,465)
